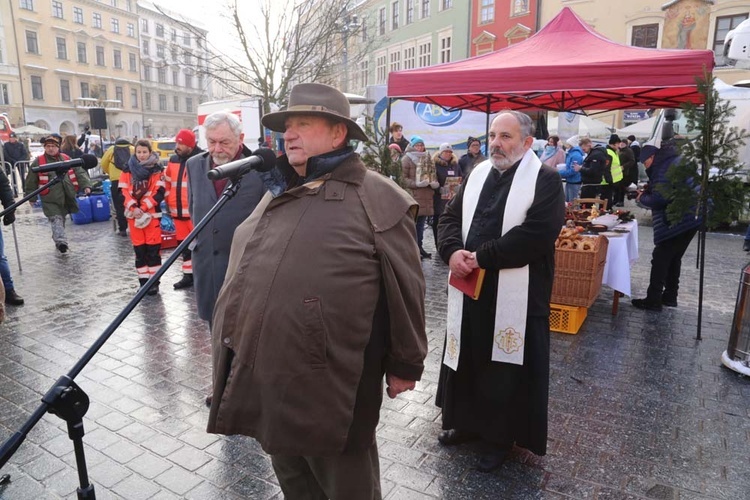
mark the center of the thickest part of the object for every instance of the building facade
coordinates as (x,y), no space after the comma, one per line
(496,24)
(173,55)
(10,80)
(76,55)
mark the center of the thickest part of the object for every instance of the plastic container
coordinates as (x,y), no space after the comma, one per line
(84,215)
(99,207)
(566,319)
(107,188)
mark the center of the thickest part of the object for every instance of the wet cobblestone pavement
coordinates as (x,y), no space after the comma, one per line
(638,407)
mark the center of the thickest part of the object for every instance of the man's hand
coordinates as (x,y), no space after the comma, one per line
(397,385)
(9,218)
(462,262)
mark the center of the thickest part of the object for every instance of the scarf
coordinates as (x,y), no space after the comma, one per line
(140,171)
(549,152)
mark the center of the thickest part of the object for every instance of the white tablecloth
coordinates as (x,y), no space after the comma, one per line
(621,254)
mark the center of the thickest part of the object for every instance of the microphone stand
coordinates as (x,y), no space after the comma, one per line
(60,175)
(65,398)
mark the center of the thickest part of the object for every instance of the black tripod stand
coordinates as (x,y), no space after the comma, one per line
(59,176)
(65,399)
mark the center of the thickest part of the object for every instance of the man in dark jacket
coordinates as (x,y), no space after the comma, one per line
(15,151)
(670,240)
(6,196)
(298,357)
(595,168)
(473,156)
(629,166)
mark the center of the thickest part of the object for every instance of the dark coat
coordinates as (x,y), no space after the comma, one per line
(652,198)
(629,166)
(324,293)
(211,246)
(596,166)
(443,170)
(503,403)
(403,143)
(14,152)
(468,162)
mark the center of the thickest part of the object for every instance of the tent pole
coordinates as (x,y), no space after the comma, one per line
(387,120)
(486,129)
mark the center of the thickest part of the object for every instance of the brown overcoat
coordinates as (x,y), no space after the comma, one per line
(423,195)
(323,294)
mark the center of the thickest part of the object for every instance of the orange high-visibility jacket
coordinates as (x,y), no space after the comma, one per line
(149,201)
(176,185)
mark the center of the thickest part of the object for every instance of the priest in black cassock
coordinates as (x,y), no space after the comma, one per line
(494,381)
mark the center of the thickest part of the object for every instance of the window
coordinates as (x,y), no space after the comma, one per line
(103,92)
(176,102)
(381,21)
(118,94)
(188,57)
(519,7)
(160,30)
(188,82)
(97,20)
(364,77)
(395,61)
(147,72)
(724,25)
(174,53)
(409,58)
(129,5)
(189,104)
(57,9)
(645,35)
(77,15)
(380,72)
(447,4)
(159,50)
(117,58)
(132,66)
(426,8)
(65,90)
(62,48)
(173,34)
(425,54)
(134,98)
(27,4)
(36,88)
(162,102)
(131,30)
(32,44)
(144,25)
(186,38)
(4,100)
(445,49)
(85,90)
(487,11)
(175,78)
(145,47)
(147,100)
(81,52)
(115,25)
(394,15)
(99,55)
(161,75)
(409,11)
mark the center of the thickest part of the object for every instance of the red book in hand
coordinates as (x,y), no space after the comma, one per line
(471,284)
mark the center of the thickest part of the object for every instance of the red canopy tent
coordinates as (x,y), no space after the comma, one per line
(565,66)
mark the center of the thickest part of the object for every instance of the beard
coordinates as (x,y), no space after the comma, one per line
(503,160)
(221,158)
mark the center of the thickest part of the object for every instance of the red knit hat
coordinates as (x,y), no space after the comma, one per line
(186,137)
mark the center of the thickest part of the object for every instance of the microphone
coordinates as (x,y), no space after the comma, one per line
(85,161)
(262,160)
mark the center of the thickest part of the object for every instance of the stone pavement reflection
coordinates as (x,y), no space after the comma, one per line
(638,407)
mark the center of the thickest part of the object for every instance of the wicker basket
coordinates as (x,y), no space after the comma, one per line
(578,274)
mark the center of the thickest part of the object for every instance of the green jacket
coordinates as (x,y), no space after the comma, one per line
(60,199)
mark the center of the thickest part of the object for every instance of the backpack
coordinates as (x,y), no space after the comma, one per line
(121,156)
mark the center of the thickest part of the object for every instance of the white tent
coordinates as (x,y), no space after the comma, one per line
(641,129)
(586,126)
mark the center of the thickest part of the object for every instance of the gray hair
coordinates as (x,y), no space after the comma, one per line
(524,120)
(215,119)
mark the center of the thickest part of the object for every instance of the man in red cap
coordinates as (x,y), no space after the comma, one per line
(176,181)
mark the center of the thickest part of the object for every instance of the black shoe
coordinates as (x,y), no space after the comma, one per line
(62,247)
(492,460)
(669,302)
(209,398)
(454,436)
(185,282)
(423,254)
(645,304)
(122,232)
(746,246)
(153,290)
(12,298)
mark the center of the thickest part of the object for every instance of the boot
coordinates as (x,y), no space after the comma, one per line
(142,281)
(154,289)
(12,298)
(746,246)
(423,254)
(185,282)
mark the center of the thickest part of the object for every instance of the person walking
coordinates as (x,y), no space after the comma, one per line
(59,200)
(113,162)
(494,380)
(6,196)
(142,187)
(307,381)
(420,179)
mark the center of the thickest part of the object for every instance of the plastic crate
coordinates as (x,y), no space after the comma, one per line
(566,319)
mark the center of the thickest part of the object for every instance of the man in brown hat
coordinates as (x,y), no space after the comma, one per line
(324,294)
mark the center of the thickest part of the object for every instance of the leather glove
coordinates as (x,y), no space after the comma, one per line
(9,218)
(434,184)
(422,184)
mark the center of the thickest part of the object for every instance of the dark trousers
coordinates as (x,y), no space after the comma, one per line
(119,201)
(608,193)
(590,190)
(666,262)
(351,475)
(420,229)
(619,192)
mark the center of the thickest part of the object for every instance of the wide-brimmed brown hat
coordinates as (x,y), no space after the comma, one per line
(319,100)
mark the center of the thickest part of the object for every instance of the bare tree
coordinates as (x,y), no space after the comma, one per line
(277,47)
